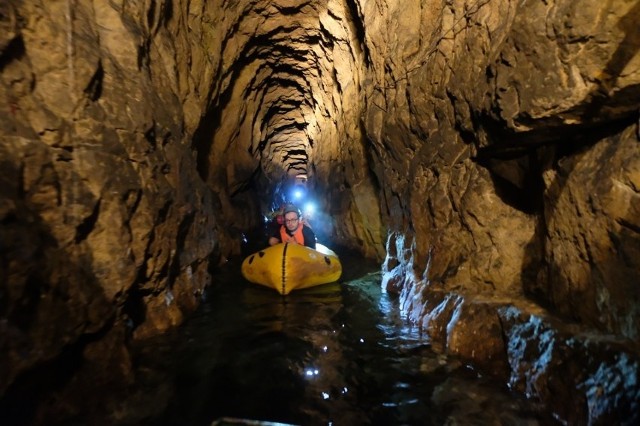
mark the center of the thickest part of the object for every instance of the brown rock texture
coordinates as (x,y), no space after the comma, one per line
(519,127)
(485,151)
(103,224)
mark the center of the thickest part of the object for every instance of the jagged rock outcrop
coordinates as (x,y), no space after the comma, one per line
(520,104)
(522,151)
(486,151)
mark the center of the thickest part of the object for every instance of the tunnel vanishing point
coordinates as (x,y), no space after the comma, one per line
(485,152)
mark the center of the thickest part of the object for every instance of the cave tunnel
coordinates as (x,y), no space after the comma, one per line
(484,152)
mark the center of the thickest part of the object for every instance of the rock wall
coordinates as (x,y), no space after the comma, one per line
(490,105)
(106,228)
(506,141)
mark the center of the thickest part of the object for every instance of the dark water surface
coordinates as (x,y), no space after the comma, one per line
(338,354)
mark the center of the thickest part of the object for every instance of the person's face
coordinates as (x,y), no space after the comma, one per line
(291,221)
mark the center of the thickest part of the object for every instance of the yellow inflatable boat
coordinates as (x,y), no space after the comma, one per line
(286,266)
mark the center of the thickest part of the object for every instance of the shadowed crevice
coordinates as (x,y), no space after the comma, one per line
(88,224)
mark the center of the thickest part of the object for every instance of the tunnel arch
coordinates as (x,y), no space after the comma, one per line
(289,81)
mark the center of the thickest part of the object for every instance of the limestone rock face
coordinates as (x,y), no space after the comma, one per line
(507,137)
(486,152)
(492,101)
(592,246)
(105,225)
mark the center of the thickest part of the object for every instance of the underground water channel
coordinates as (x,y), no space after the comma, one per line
(337,354)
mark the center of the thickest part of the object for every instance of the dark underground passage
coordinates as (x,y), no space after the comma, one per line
(484,154)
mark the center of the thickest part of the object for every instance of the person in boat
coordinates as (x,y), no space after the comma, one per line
(293,230)
(275,221)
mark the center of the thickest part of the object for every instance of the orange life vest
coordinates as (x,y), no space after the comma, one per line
(297,235)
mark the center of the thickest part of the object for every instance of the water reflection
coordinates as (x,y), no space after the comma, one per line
(337,354)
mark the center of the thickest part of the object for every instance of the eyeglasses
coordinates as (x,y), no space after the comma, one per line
(291,220)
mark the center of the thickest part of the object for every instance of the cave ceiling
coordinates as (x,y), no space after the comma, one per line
(288,81)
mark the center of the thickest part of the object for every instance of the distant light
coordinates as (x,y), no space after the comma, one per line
(309,208)
(298,194)
(325,395)
(311,372)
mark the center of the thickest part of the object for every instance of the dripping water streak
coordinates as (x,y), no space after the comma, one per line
(70,51)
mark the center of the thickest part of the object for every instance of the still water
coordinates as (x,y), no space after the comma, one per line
(339,354)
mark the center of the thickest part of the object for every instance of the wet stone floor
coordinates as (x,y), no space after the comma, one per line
(338,354)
